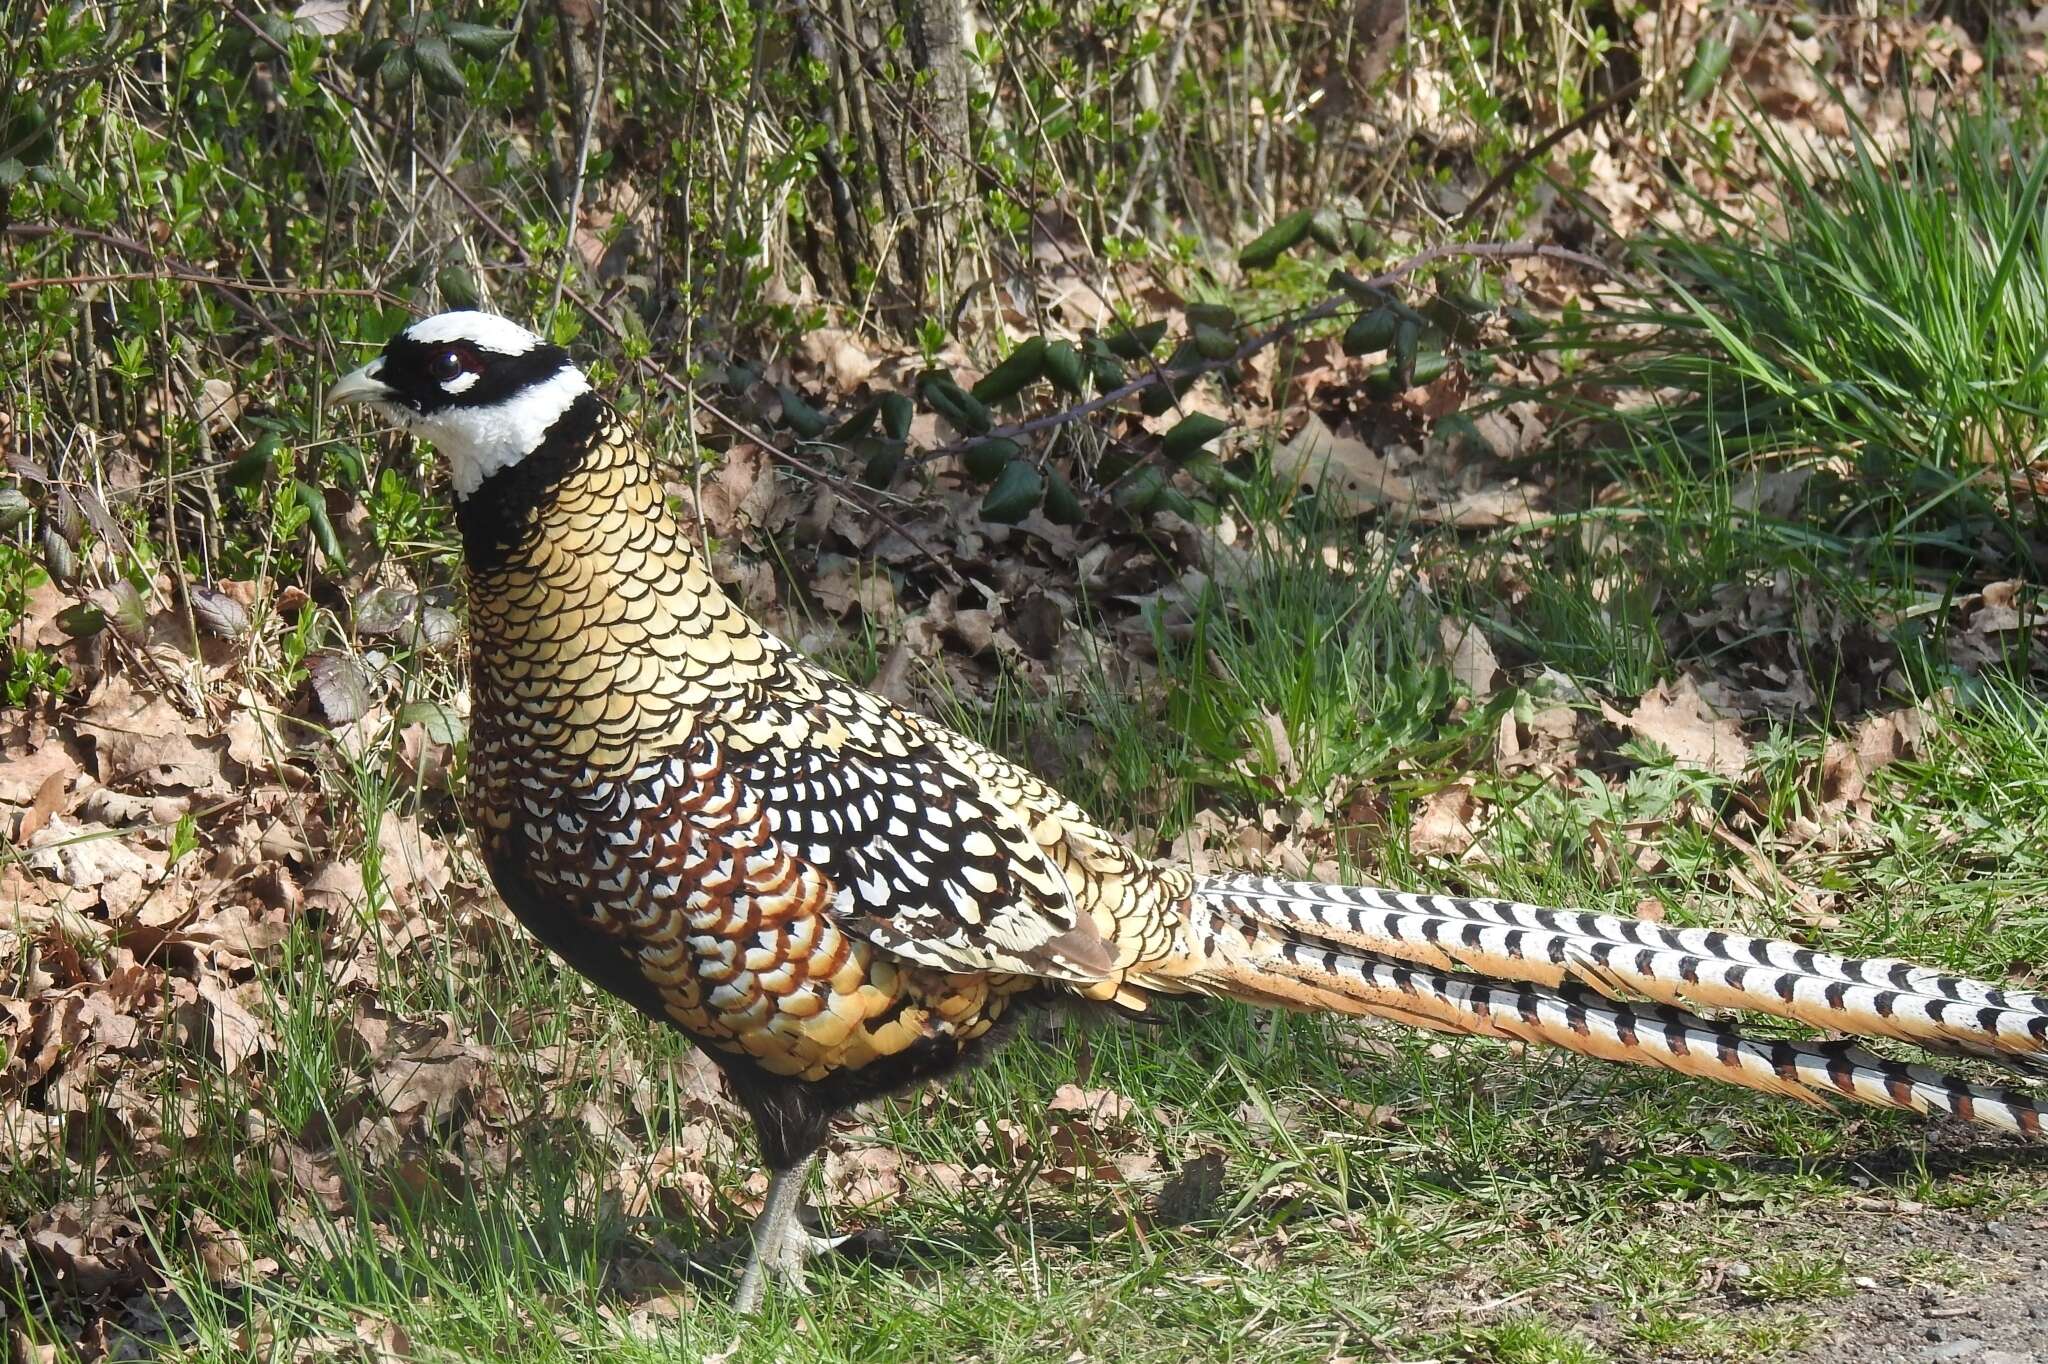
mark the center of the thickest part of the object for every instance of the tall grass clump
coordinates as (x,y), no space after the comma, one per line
(1859,369)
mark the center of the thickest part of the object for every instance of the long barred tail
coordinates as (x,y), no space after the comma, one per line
(1502,969)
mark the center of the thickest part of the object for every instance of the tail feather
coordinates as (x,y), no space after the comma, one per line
(1872,997)
(1499,969)
(1578,1020)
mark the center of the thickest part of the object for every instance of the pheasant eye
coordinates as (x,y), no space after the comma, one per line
(445,366)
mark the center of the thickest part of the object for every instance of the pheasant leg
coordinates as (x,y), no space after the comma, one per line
(781,1244)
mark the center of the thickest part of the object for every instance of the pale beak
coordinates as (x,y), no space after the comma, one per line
(361,386)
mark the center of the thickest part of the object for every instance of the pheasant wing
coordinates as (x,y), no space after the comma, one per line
(928,860)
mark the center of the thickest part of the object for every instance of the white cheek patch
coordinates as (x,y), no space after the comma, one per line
(480,441)
(461,383)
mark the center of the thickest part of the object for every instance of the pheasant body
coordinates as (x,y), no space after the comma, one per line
(837,898)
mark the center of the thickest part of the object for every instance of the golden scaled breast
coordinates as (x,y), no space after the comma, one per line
(602,638)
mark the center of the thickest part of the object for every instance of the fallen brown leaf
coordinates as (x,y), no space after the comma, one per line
(1676,718)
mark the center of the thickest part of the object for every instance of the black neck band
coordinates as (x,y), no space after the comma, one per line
(499,514)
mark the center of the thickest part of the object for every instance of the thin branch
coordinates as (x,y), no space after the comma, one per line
(582,164)
(167,267)
(1143,180)
(1507,173)
(185,277)
(1329,307)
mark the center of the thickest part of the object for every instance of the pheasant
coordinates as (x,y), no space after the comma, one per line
(837,899)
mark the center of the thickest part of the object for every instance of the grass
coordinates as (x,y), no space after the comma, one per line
(1848,369)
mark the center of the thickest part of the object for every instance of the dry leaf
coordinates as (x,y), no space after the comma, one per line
(1469,656)
(29,764)
(864,1176)
(48,799)
(1676,718)
(1099,1105)
(1447,825)
(1342,469)
(144,740)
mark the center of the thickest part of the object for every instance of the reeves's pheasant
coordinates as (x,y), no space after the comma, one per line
(837,898)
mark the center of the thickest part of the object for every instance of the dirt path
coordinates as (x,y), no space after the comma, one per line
(1981,1297)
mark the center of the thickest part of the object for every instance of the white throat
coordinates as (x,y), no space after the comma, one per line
(480,441)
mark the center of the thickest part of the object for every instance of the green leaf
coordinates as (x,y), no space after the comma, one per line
(184,838)
(1213,476)
(1064,367)
(81,619)
(397,70)
(967,413)
(805,420)
(1277,240)
(441,723)
(1407,336)
(479,40)
(60,560)
(1190,434)
(371,56)
(458,285)
(1709,61)
(1015,493)
(1139,491)
(316,517)
(1370,332)
(25,131)
(1212,343)
(275,27)
(1020,367)
(985,459)
(856,427)
(1328,230)
(1136,343)
(1161,397)
(1524,325)
(884,458)
(1062,507)
(1105,373)
(1221,316)
(438,67)
(251,466)
(14,508)
(897,412)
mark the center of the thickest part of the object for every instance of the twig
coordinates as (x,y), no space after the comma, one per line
(1329,307)
(1142,178)
(188,277)
(582,164)
(1507,173)
(853,493)
(435,168)
(167,267)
